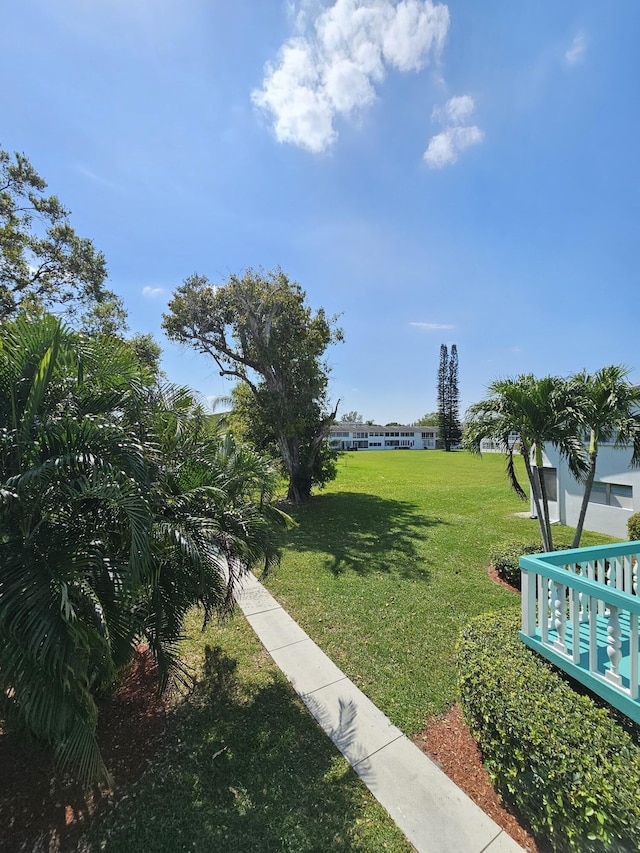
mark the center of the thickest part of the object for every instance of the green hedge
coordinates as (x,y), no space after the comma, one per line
(633,526)
(504,558)
(562,762)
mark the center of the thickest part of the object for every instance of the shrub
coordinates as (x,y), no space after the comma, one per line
(562,762)
(504,558)
(633,526)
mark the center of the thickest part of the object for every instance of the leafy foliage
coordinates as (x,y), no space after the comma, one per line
(428,419)
(260,330)
(352,417)
(43,262)
(118,511)
(505,558)
(558,758)
(633,526)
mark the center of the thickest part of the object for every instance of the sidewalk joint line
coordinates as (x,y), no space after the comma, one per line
(322,686)
(286,645)
(266,610)
(494,839)
(376,751)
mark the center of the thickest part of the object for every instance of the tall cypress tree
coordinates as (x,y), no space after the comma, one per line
(442,393)
(453,407)
(448,397)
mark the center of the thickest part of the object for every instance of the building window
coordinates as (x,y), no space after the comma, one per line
(361,435)
(392,443)
(612,494)
(428,435)
(550,476)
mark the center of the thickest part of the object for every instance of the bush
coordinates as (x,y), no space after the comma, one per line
(633,526)
(504,558)
(562,762)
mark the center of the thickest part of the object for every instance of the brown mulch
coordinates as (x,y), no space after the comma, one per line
(449,743)
(495,577)
(39,811)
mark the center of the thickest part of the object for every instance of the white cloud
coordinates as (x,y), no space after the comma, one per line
(432,326)
(331,66)
(577,50)
(444,147)
(152,292)
(455,111)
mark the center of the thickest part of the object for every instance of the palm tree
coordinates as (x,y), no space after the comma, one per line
(213,519)
(119,510)
(610,411)
(74,524)
(542,411)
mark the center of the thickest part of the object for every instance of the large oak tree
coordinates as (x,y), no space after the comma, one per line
(259,329)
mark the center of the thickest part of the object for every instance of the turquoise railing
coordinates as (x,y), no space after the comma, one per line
(580,609)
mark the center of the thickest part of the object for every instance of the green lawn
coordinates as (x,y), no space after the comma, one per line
(391,561)
(247,769)
(384,569)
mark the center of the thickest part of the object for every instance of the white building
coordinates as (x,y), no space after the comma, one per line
(615,495)
(492,445)
(346,436)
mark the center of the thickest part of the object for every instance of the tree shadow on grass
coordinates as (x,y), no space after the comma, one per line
(366,534)
(246,774)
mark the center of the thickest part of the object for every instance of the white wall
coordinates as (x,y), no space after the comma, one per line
(612,467)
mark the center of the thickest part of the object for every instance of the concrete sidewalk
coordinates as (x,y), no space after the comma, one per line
(435,815)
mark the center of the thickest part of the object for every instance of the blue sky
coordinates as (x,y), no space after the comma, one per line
(435,173)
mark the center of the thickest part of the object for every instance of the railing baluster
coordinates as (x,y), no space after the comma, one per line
(560,616)
(528,586)
(593,634)
(613,647)
(628,575)
(633,652)
(543,603)
(601,578)
(574,616)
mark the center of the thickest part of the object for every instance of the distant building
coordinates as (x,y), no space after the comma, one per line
(491,445)
(348,436)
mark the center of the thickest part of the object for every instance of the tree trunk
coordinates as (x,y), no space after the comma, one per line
(299,491)
(545,507)
(299,471)
(534,482)
(585,499)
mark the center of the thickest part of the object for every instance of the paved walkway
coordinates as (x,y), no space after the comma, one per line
(435,815)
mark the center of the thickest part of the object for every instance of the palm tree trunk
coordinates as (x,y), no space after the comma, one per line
(585,498)
(545,507)
(534,482)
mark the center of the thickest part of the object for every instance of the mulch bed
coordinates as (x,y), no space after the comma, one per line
(39,810)
(449,743)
